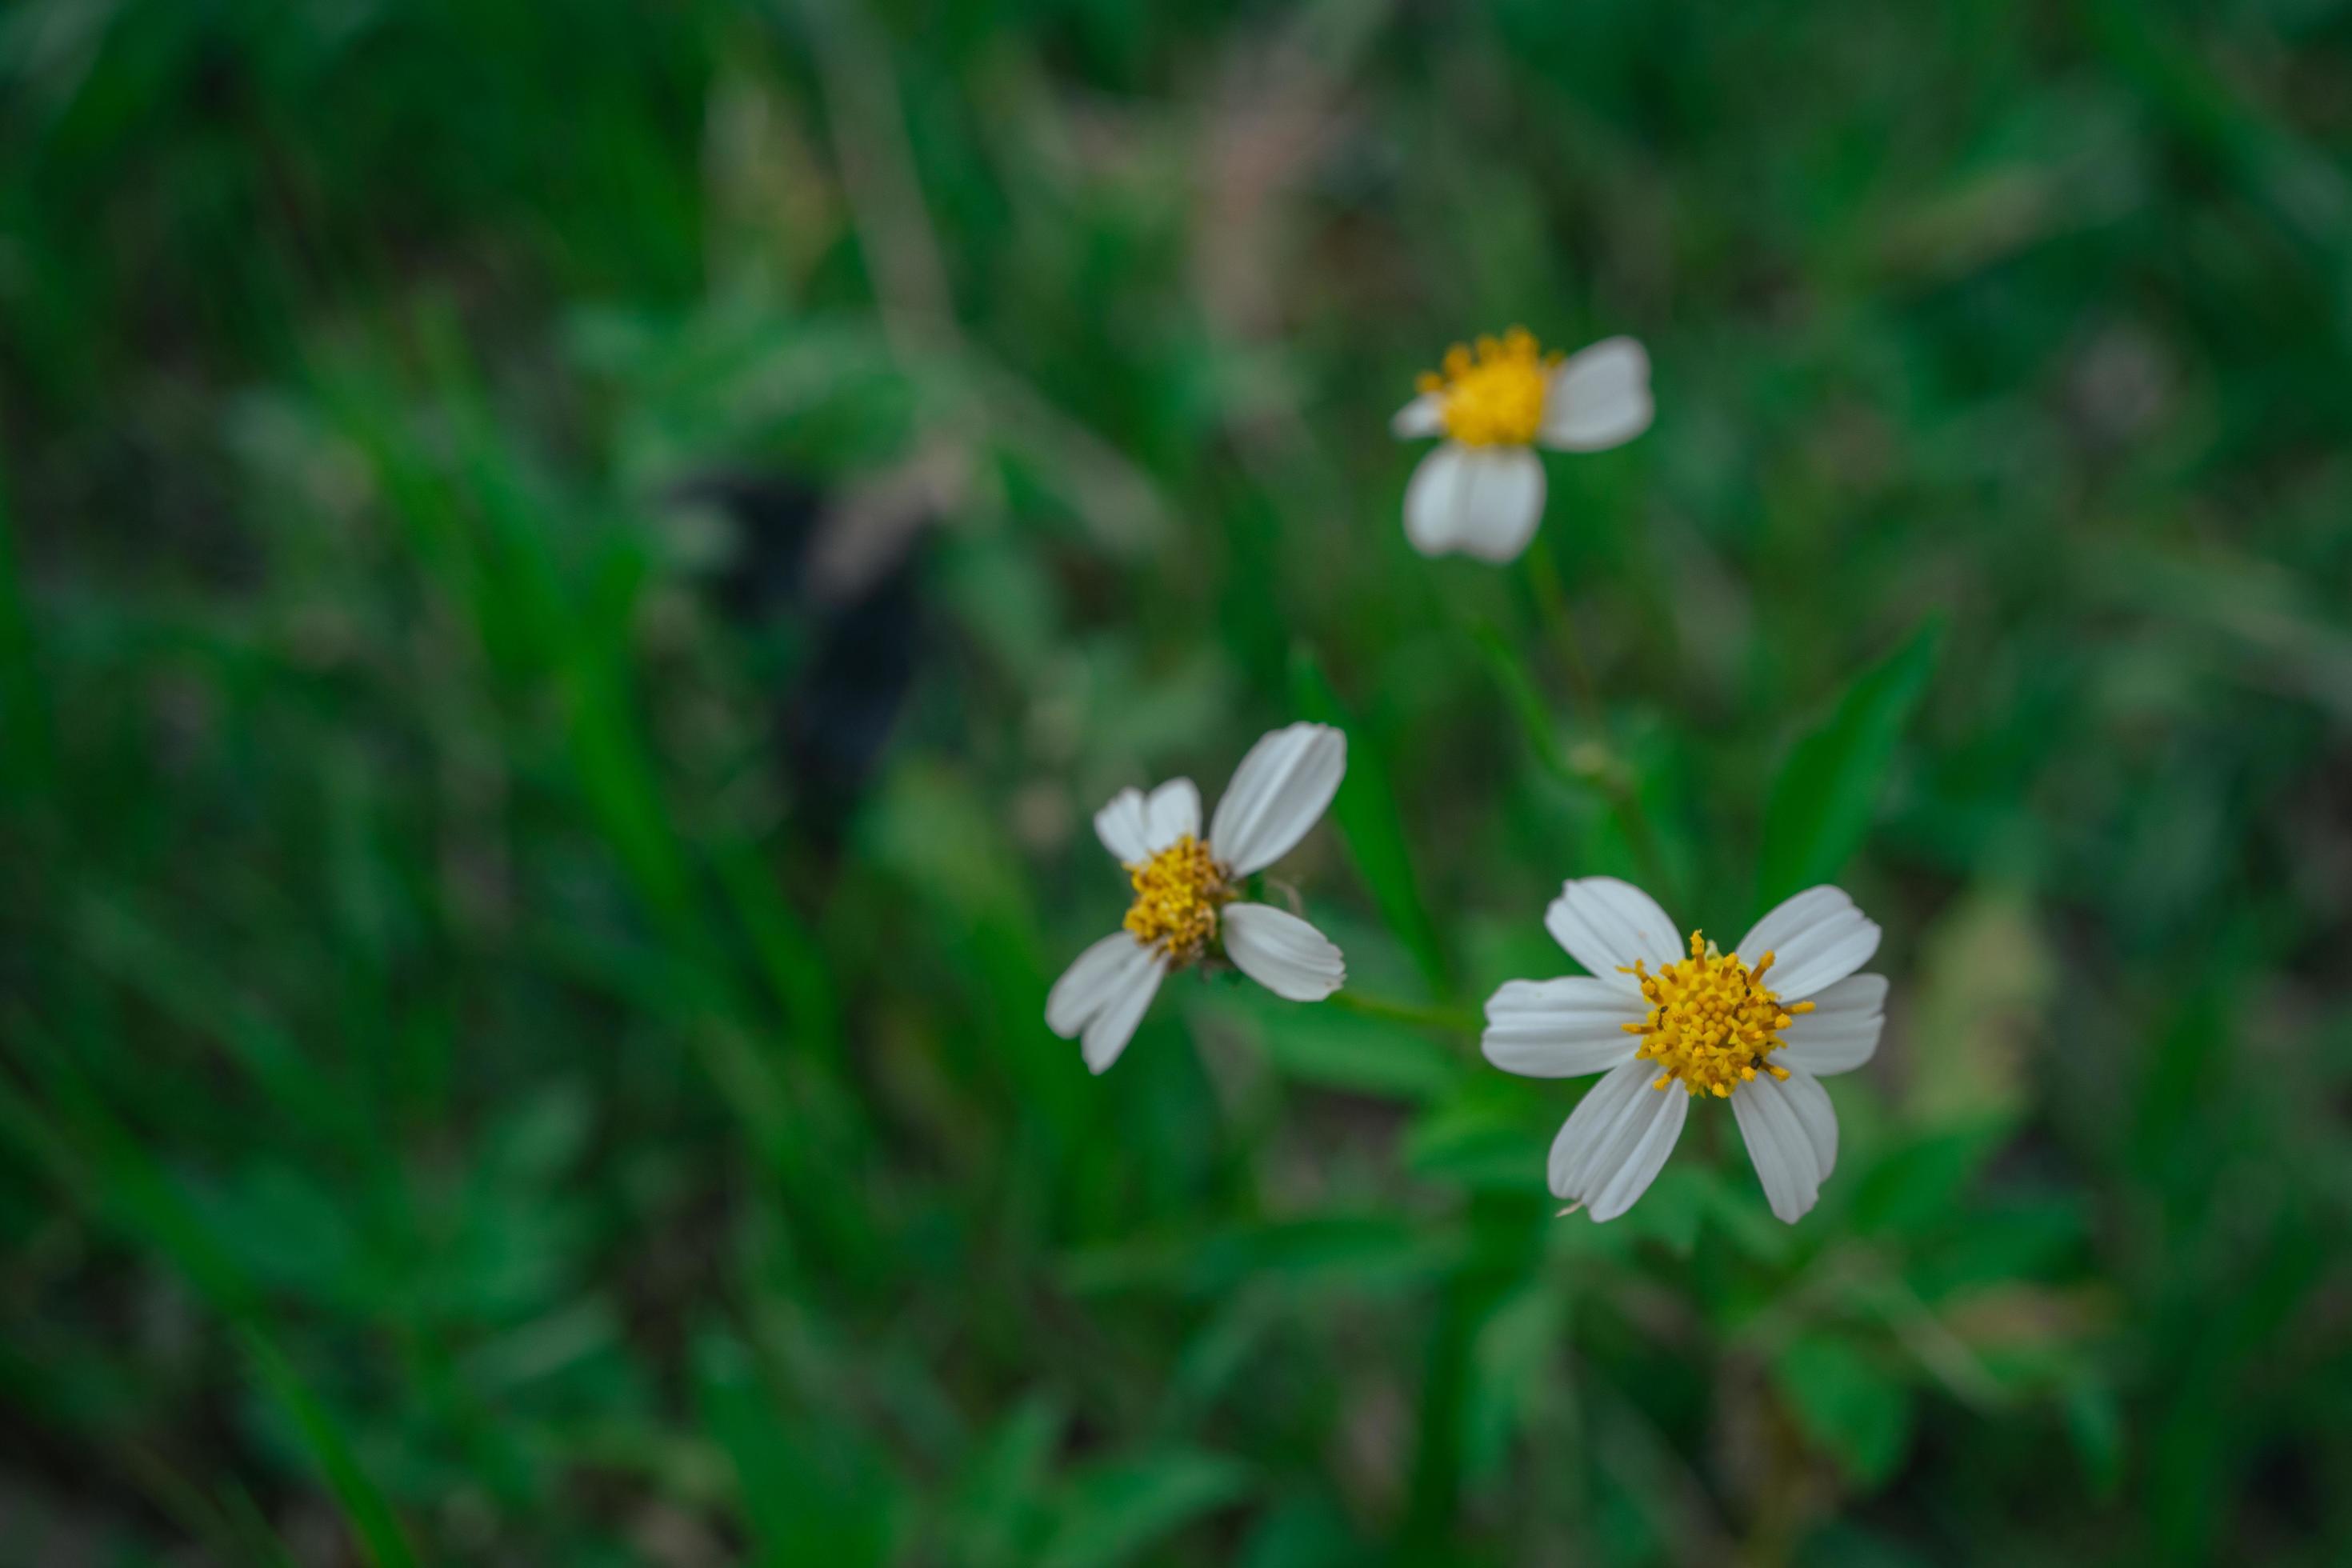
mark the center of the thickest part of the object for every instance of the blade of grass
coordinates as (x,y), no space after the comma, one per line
(1443,1020)
(1827,793)
(27,748)
(370,1515)
(100,1159)
(788,953)
(119,943)
(1370,824)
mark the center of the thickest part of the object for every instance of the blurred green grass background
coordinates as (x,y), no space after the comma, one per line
(458,1104)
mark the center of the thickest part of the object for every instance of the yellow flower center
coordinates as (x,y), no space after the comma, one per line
(1494,397)
(1177,894)
(1712,1022)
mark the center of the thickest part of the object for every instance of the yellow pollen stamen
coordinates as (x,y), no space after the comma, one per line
(1712,1022)
(1177,895)
(1496,397)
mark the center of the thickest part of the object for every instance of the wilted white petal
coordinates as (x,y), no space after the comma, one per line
(1425,416)
(1787,1160)
(1599,398)
(1278,793)
(1135,826)
(1841,1031)
(1124,827)
(1559,1028)
(1089,984)
(1816,937)
(1282,952)
(1606,923)
(1108,1031)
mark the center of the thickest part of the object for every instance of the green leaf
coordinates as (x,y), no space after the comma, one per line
(1675,1206)
(1827,794)
(812,1492)
(1846,1403)
(1918,1184)
(1370,823)
(1527,706)
(1489,1137)
(1329,1252)
(1120,1510)
(1737,1209)
(2096,1423)
(100,1162)
(370,1517)
(994,1512)
(1305,1531)
(1510,1374)
(1334,1049)
(27,757)
(1333,1251)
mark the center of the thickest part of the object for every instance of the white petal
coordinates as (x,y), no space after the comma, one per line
(1089,984)
(1483,501)
(1138,981)
(1425,416)
(1816,937)
(1788,1162)
(1280,789)
(1790,918)
(1559,1028)
(1135,826)
(1600,397)
(1841,1031)
(1123,827)
(1432,521)
(1102,995)
(1605,923)
(1282,952)
(1815,1114)
(1616,1139)
(1502,498)
(1170,812)
(1606,1196)
(1588,1127)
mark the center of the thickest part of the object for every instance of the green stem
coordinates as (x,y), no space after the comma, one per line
(1636,824)
(1444,1020)
(1595,768)
(1551,598)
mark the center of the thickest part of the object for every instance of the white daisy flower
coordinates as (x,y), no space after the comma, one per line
(1652,1014)
(1185,888)
(1482,491)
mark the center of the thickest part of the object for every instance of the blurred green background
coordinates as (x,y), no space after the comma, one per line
(477,1084)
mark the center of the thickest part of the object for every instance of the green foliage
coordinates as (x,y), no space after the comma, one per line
(1366,815)
(1845,1404)
(1827,794)
(1119,1510)
(464,1099)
